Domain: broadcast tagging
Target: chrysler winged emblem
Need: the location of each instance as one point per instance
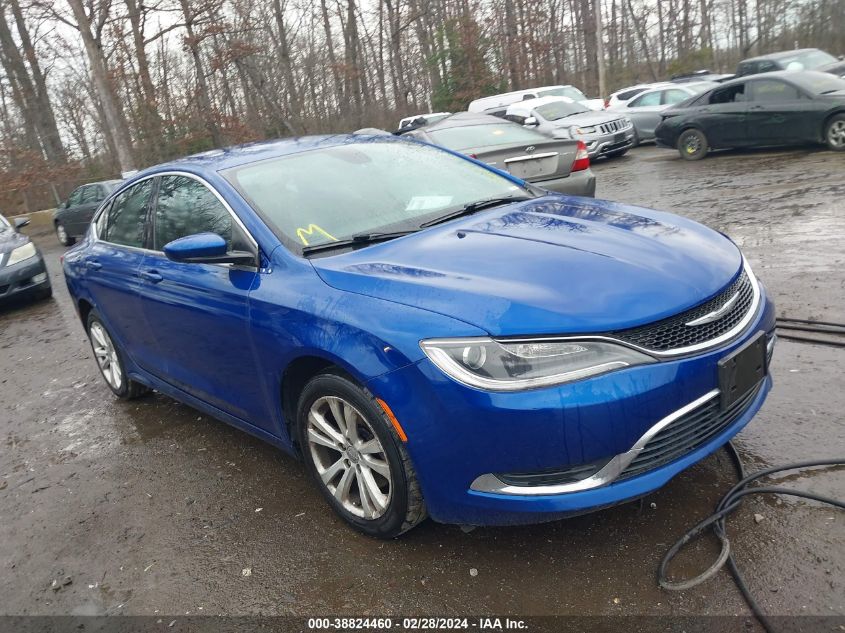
(716, 314)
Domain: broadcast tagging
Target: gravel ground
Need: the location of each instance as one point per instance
(150, 508)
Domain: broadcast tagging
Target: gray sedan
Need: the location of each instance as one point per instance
(553, 164)
(604, 133)
(645, 109)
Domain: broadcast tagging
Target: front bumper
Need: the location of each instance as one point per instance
(458, 434)
(24, 279)
(598, 146)
(577, 183)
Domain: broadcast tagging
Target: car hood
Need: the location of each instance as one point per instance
(10, 240)
(551, 265)
(588, 118)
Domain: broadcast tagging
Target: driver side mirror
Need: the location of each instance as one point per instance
(206, 248)
(20, 223)
(530, 121)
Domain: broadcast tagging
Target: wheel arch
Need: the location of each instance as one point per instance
(826, 122)
(84, 309)
(298, 373)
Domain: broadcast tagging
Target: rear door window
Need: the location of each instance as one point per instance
(128, 214)
(649, 99)
(185, 207)
(673, 96)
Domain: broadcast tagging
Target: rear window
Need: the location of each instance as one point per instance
(458, 138)
(819, 83)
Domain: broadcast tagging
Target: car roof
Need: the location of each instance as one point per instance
(780, 54)
(225, 158)
(464, 119)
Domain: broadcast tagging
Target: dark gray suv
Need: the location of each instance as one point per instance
(71, 220)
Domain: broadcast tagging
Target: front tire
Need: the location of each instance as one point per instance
(834, 133)
(110, 361)
(356, 458)
(63, 236)
(692, 145)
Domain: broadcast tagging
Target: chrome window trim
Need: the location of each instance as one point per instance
(679, 351)
(174, 172)
(608, 473)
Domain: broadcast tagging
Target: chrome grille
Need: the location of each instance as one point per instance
(612, 126)
(673, 333)
(688, 433)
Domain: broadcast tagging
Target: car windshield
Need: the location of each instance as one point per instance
(565, 91)
(336, 193)
(560, 109)
(471, 136)
(807, 60)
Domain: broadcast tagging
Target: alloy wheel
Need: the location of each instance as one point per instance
(61, 233)
(349, 458)
(836, 133)
(106, 355)
(692, 144)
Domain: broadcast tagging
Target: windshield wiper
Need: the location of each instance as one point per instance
(361, 238)
(472, 207)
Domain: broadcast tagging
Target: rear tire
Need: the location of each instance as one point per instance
(692, 145)
(354, 455)
(834, 133)
(64, 238)
(109, 358)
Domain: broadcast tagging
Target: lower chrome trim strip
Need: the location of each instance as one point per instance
(610, 471)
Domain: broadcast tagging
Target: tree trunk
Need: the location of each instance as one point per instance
(108, 100)
(43, 109)
(150, 119)
(203, 98)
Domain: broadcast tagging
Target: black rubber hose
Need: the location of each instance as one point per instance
(808, 322)
(730, 502)
(825, 329)
(815, 341)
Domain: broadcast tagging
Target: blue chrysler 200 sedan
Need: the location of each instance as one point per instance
(432, 336)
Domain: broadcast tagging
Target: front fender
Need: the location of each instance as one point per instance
(294, 315)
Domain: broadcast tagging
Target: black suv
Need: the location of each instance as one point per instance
(71, 220)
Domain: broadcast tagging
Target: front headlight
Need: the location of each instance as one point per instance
(514, 366)
(21, 253)
(585, 130)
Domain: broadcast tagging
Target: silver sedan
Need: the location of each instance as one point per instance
(645, 110)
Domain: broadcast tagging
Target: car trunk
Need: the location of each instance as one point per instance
(534, 163)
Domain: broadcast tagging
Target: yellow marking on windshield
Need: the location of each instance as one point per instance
(313, 228)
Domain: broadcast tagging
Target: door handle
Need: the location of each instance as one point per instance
(757, 107)
(94, 265)
(151, 275)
